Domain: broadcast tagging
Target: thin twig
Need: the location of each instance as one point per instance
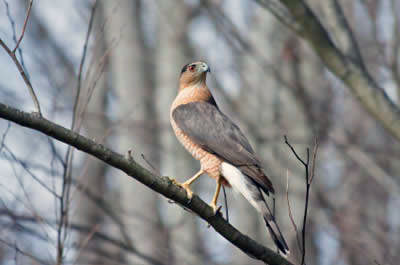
(308, 176)
(294, 151)
(24, 76)
(24, 27)
(303, 230)
(290, 212)
(20, 67)
(155, 170)
(3, 138)
(81, 65)
(314, 157)
(85, 242)
(24, 253)
(28, 171)
(14, 33)
(66, 183)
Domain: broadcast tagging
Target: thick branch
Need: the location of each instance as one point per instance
(161, 185)
(354, 75)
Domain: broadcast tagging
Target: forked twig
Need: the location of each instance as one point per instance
(24, 27)
(309, 176)
(294, 151)
(21, 70)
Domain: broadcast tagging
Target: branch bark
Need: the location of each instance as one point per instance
(371, 96)
(162, 185)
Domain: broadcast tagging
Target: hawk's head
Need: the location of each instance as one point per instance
(193, 73)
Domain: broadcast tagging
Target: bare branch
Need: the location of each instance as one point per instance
(82, 63)
(21, 70)
(314, 157)
(18, 250)
(86, 241)
(24, 27)
(294, 151)
(290, 212)
(279, 12)
(162, 185)
(66, 184)
(3, 138)
(308, 180)
(371, 96)
(344, 30)
(23, 74)
(90, 231)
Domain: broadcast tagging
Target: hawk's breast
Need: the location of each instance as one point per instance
(210, 163)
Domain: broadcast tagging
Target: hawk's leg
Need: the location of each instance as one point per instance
(187, 183)
(213, 203)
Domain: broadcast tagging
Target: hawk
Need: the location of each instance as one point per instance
(224, 152)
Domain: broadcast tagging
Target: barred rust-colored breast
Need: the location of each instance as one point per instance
(209, 162)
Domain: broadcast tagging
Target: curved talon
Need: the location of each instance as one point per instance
(214, 200)
(189, 192)
(216, 209)
(185, 186)
(174, 181)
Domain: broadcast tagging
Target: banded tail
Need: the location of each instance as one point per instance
(253, 194)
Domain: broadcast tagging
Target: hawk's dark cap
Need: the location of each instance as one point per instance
(184, 68)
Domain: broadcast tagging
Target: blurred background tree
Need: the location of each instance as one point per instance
(264, 76)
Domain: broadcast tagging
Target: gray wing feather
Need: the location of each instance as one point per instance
(214, 131)
(217, 134)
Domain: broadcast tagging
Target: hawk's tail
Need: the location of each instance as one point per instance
(249, 189)
(276, 234)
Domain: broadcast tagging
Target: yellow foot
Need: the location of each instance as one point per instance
(174, 181)
(185, 186)
(189, 192)
(216, 210)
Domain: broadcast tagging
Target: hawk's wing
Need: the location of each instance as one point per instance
(216, 133)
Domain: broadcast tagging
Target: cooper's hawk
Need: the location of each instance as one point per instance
(223, 151)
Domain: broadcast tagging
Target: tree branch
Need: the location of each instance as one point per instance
(20, 67)
(24, 27)
(371, 96)
(162, 185)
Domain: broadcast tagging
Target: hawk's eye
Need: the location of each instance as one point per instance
(192, 67)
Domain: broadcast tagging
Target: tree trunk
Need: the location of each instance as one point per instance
(135, 109)
(92, 175)
(175, 161)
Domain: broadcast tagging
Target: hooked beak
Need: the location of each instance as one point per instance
(205, 68)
